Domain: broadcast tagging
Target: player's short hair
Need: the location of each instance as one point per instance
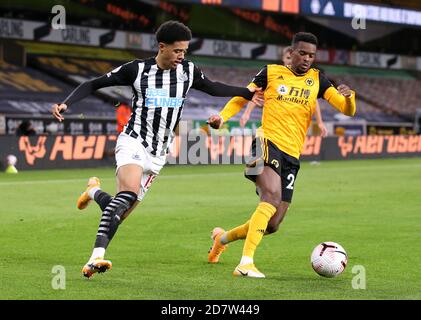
(172, 31)
(304, 37)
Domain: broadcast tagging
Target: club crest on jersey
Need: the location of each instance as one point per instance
(309, 81)
(282, 89)
(275, 163)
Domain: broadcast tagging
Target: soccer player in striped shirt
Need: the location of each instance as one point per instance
(160, 85)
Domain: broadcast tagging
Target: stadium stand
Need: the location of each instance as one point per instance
(382, 97)
(24, 90)
(77, 70)
(399, 97)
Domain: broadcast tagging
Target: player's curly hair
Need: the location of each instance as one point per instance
(172, 31)
(304, 37)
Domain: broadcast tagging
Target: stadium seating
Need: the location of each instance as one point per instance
(50, 78)
(25, 90)
(391, 96)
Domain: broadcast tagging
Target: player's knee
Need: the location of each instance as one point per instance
(271, 196)
(128, 183)
(131, 187)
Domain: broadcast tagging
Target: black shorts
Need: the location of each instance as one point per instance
(265, 152)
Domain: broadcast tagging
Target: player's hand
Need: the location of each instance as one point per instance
(258, 97)
(57, 110)
(344, 90)
(215, 121)
(323, 129)
(244, 118)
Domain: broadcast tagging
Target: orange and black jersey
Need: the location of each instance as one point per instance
(290, 101)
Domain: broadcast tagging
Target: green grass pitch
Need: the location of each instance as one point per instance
(371, 207)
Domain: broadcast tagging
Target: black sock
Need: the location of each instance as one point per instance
(111, 217)
(103, 199)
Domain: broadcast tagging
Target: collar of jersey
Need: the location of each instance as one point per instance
(297, 74)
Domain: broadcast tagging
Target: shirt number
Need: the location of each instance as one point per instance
(291, 179)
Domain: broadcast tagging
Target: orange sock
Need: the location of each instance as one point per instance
(257, 227)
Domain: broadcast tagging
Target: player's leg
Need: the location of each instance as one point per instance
(221, 237)
(240, 232)
(290, 167)
(269, 184)
(129, 177)
(134, 178)
(146, 182)
(129, 173)
(93, 192)
(277, 218)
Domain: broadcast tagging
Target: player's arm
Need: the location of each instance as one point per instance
(319, 120)
(219, 89)
(342, 99)
(121, 76)
(246, 115)
(237, 103)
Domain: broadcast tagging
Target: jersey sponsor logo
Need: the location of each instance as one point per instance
(283, 89)
(295, 95)
(300, 92)
(293, 100)
(159, 98)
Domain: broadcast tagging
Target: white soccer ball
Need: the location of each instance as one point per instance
(329, 259)
(11, 160)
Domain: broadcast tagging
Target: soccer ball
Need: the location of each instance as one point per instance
(329, 259)
(11, 160)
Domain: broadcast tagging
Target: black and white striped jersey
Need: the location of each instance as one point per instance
(158, 97)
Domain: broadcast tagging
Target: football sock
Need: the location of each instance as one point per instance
(97, 253)
(236, 233)
(102, 198)
(245, 260)
(257, 227)
(92, 191)
(111, 217)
